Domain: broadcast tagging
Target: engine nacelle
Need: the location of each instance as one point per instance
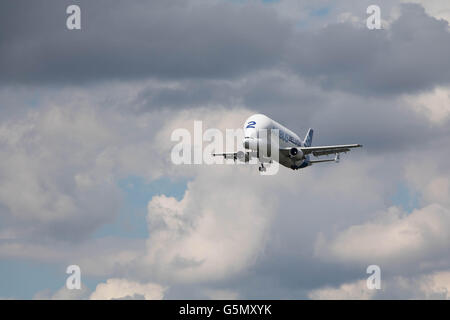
(243, 156)
(296, 154)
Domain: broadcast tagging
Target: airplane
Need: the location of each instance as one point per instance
(293, 152)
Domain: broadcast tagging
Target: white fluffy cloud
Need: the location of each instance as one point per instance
(434, 104)
(437, 8)
(126, 289)
(61, 163)
(63, 294)
(50, 176)
(393, 237)
(435, 285)
(205, 238)
(346, 291)
(429, 177)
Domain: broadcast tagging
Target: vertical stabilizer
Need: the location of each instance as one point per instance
(308, 138)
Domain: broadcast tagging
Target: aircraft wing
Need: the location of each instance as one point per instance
(316, 151)
(231, 155)
(325, 150)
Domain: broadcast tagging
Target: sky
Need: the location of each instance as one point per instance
(86, 177)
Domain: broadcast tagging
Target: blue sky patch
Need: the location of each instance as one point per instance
(131, 221)
(405, 198)
(321, 12)
(21, 279)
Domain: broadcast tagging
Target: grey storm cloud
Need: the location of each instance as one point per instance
(174, 40)
(412, 54)
(135, 39)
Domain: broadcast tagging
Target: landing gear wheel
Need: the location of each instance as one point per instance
(262, 168)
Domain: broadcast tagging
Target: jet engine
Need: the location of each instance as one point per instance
(296, 154)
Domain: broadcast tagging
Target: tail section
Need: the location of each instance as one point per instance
(308, 138)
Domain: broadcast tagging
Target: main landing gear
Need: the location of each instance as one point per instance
(262, 168)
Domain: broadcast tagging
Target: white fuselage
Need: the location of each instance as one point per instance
(287, 139)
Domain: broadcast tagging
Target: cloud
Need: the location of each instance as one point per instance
(242, 234)
(205, 238)
(428, 286)
(373, 62)
(48, 185)
(222, 294)
(300, 104)
(61, 163)
(237, 234)
(169, 39)
(393, 238)
(125, 289)
(348, 291)
(437, 8)
(63, 294)
(202, 239)
(112, 254)
(174, 40)
(429, 179)
(233, 233)
(435, 104)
